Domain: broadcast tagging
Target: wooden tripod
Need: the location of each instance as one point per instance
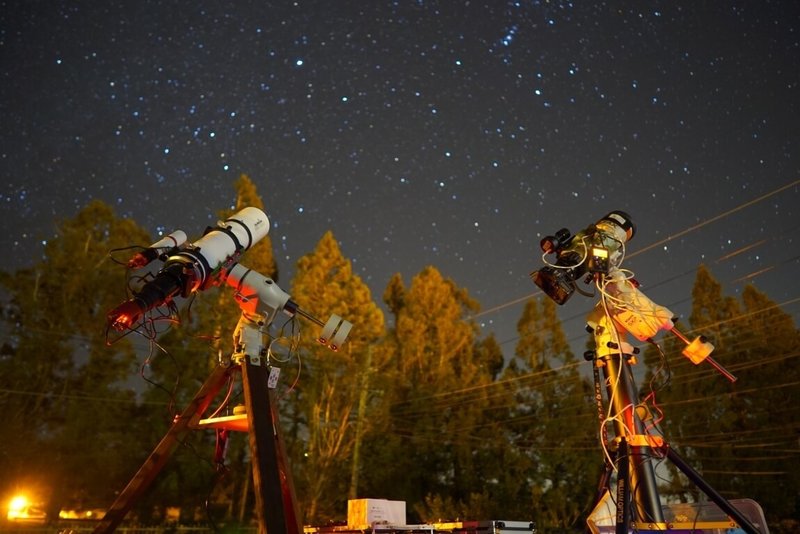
(276, 507)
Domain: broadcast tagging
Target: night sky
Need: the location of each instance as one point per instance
(453, 134)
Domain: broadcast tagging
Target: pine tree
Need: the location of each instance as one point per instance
(732, 434)
(67, 409)
(441, 450)
(768, 446)
(554, 421)
(330, 391)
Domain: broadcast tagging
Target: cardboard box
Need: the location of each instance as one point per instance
(365, 513)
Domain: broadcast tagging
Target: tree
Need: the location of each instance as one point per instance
(553, 420)
(64, 390)
(771, 363)
(439, 447)
(739, 436)
(329, 397)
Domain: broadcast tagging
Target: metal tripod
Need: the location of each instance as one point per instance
(637, 490)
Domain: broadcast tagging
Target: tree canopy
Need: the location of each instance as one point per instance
(417, 406)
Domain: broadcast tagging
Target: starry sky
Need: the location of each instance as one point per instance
(447, 133)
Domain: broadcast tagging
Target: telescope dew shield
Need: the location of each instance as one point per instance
(621, 220)
(222, 245)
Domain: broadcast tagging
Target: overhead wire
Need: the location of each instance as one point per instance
(630, 255)
(553, 376)
(454, 399)
(729, 436)
(653, 245)
(716, 218)
(456, 396)
(661, 242)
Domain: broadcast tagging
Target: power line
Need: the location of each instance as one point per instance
(661, 242)
(717, 217)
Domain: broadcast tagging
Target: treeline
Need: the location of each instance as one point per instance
(415, 407)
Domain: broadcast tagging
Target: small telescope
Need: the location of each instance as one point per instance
(596, 249)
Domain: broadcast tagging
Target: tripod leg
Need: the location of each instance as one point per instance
(641, 478)
(603, 486)
(158, 458)
(275, 501)
(623, 490)
(712, 494)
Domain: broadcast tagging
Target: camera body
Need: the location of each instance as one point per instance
(596, 249)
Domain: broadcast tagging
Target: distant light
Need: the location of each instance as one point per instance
(18, 502)
(299, 62)
(20, 508)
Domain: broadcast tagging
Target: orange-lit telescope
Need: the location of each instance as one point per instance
(597, 249)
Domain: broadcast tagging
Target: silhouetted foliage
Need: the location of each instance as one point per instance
(417, 407)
